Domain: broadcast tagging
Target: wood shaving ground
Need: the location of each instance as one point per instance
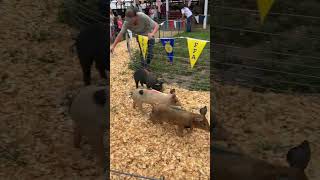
(140, 147)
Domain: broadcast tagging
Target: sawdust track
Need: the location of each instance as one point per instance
(138, 146)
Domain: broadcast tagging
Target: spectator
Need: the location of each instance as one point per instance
(147, 10)
(186, 12)
(152, 12)
(138, 5)
(141, 24)
(156, 14)
(158, 3)
(119, 21)
(163, 11)
(111, 25)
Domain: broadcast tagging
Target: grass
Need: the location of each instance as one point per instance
(204, 35)
(180, 71)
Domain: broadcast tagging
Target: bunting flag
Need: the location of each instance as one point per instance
(197, 19)
(166, 24)
(168, 44)
(180, 24)
(264, 6)
(143, 42)
(195, 47)
(171, 24)
(175, 24)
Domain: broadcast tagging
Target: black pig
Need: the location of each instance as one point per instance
(144, 76)
(92, 46)
(233, 166)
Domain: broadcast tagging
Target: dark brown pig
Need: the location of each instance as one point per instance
(144, 76)
(234, 166)
(182, 118)
(149, 96)
(89, 111)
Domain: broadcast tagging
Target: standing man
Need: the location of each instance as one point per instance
(186, 12)
(141, 24)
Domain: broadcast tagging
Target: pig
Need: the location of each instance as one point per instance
(182, 118)
(234, 166)
(92, 46)
(89, 111)
(147, 96)
(144, 76)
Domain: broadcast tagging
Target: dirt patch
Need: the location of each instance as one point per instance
(37, 71)
(267, 125)
(140, 147)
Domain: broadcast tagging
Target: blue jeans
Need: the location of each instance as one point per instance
(149, 54)
(189, 24)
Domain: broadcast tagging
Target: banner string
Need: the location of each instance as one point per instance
(180, 37)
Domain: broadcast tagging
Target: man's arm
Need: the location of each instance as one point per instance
(182, 13)
(155, 29)
(119, 36)
(152, 22)
(117, 40)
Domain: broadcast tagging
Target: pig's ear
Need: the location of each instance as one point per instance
(299, 156)
(172, 91)
(203, 111)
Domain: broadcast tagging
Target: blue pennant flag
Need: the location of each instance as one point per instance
(168, 44)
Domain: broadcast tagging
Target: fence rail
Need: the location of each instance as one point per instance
(119, 173)
(273, 56)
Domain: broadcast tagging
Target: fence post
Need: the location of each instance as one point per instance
(205, 14)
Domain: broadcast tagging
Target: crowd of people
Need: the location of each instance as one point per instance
(155, 12)
(115, 24)
(142, 22)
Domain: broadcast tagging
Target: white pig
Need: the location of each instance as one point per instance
(151, 96)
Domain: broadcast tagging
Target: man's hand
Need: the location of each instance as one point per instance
(112, 49)
(150, 35)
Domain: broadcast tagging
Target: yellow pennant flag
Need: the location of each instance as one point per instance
(195, 47)
(143, 41)
(264, 7)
